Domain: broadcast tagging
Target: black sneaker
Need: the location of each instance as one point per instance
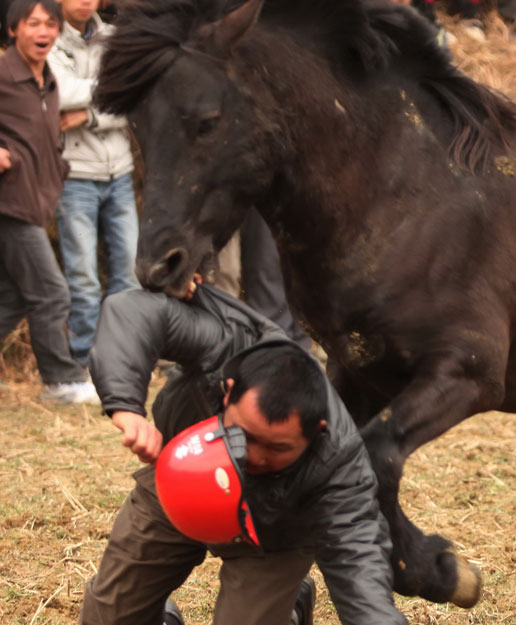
(172, 614)
(303, 612)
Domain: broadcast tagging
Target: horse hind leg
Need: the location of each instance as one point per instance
(426, 566)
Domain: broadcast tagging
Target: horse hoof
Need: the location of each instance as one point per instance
(469, 583)
(439, 574)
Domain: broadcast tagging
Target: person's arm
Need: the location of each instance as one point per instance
(75, 97)
(135, 329)
(354, 544)
(5, 160)
(141, 436)
(73, 119)
(74, 92)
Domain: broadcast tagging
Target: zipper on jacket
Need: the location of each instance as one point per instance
(43, 93)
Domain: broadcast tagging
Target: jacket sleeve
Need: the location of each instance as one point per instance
(136, 328)
(74, 92)
(105, 121)
(77, 93)
(354, 545)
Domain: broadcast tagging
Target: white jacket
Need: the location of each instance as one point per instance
(100, 149)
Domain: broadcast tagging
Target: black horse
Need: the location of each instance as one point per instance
(388, 180)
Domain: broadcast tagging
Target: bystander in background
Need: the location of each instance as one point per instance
(98, 196)
(31, 179)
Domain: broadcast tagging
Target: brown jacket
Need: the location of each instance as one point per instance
(29, 129)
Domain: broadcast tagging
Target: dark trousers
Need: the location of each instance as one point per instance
(147, 558)
(264, 288)
(33, 286)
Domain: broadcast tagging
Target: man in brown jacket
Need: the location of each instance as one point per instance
(31, 178)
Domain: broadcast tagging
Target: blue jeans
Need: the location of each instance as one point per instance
(86, 209)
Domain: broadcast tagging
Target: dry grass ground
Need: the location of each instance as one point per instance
(64, 474)
(492, 61)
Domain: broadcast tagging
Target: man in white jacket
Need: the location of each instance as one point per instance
(98, 195)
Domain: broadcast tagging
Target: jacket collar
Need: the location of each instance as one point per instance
(20, 70)
(95, 25)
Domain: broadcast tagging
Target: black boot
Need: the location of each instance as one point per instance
(172, 614)
(303, 612)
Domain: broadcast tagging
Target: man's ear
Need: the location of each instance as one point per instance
(227, 385)
(322, 425)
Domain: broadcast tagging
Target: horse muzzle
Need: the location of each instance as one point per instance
(166, 274)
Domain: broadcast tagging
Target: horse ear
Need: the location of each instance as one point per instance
(221, 36)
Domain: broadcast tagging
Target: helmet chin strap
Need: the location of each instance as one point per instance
(234, 438)
(236, 445)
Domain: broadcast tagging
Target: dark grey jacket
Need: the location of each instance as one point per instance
(325, 503)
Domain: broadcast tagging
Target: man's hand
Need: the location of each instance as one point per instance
(73, 119)
(5, 160)
(141, 436)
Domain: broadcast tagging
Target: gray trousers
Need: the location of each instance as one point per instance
(33, 286)
(264, 287)
(147, 558)
(255, 263)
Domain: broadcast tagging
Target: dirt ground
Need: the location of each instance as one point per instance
(64, 474)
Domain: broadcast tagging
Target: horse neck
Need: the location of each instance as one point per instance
(306, 108)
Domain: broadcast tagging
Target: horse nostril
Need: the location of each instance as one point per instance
(174, 261)
(164, 271)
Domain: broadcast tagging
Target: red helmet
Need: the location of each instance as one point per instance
(199, 483)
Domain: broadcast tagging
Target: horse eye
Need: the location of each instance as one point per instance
(207, 125)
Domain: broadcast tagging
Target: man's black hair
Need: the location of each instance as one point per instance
(21, 9)
(288, 380)
(4, 37)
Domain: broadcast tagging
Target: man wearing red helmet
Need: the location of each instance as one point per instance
(307, 482)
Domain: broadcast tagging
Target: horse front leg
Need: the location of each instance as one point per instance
(437, 399)
(509, 402)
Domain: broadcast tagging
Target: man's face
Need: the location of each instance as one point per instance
(35, 36)
(78, 12)
(271, 447)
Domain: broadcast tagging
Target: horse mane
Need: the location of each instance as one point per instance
(359, 38)
(145, 42)
(365, 37)
(483, 120)
(149, 32)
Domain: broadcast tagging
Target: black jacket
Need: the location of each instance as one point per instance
(325, 503)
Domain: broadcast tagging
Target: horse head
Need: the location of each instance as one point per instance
(203, 153)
